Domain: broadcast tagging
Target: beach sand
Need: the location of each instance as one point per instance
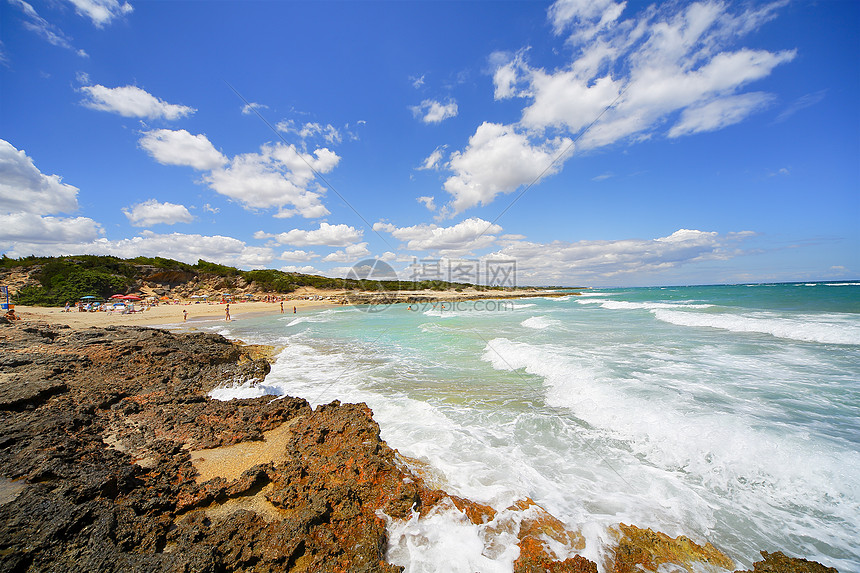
(164, 315)
(171, 314)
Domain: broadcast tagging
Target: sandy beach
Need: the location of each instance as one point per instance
(172, 314)
(164, 314)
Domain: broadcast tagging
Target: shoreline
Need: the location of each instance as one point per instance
(165, 315)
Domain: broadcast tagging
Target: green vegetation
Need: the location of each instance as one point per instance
(68, 279)
(62, 279)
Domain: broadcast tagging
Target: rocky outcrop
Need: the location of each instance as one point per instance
(113, 458)
(778, 562)
(646, 550)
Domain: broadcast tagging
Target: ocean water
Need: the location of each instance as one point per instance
(724, 413)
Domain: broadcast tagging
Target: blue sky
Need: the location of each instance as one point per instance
(593, 142)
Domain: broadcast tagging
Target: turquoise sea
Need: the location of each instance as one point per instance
(724, 413)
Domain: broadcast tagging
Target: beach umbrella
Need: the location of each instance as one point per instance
(88, 297)
(130, 297)
(118, 296)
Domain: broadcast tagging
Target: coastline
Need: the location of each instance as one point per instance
(164, 315)
(146, 471)
(172, 314)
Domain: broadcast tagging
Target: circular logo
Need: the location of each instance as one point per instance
(372, 278)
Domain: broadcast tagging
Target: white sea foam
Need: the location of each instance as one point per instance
(445, 541)
(625, 305)
(517, 306)
(728, 458)
(539, 322)
(320, 317)
(643, 427)
(841, 284)
(826, 329)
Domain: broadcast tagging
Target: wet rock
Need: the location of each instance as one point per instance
(646, 550)
(100, 431)
(778, 562)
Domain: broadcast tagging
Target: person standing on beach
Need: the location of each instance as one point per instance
(184, 315)
(282, 307)
(294, 310)
(228, 313)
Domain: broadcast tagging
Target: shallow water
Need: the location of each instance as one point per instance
(724, 413)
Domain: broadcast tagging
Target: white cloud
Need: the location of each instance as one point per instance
(465, 236)
(802, 102)
(306, 270)
(132, 101)
(497, 160)
(25, 189)
(153, 213)
(431, 111)
(248, 109)
(18, 229)
(417, 82)
(584, 17)
(328, 235)
(434, 160)
(719, 113)
(52, 34)
(428, 202)
(278, 176)
(613, 262)
(187, 248)
(298, 256)
(328, 132)
(170, 147)
(101, 12)
(349, 254)
(672, 64)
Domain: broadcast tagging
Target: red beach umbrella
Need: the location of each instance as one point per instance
(130, 297)
(118, 296)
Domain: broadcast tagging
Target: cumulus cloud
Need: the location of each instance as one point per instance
(428, 202)
(305, 270)
(101, 12)
(298, 256)
(132, 101)
(608, 262)
(497, 160)
(187, 248)
(153, 213)
(327, 132)
(279, 176)
(349, 254)
(464, 237)
(328, 235)
(18, 229)
(28, 199)
(25, 189)
(672, 64)
(248, 109)
(170, 147)
(432, 111)
(434, 160)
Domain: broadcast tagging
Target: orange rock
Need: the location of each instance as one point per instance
(643, 549)
(778, 562)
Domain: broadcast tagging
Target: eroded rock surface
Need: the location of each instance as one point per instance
(113, 458)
